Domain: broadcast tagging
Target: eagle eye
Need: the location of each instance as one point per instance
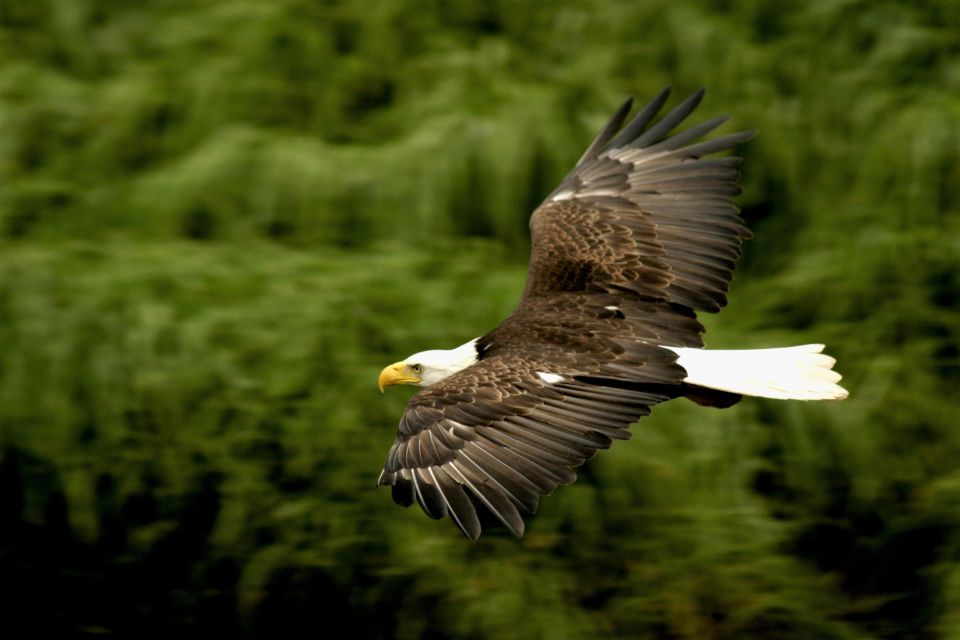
(417, 368)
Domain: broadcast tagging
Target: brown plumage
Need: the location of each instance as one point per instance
(636, 239)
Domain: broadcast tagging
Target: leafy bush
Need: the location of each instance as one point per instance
(220, 219)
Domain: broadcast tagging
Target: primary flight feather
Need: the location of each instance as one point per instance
(639, 236)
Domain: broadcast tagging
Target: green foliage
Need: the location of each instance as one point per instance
(219, 220)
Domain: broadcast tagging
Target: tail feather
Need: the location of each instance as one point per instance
(786, 373)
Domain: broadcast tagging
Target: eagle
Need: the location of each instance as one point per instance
(640, 236)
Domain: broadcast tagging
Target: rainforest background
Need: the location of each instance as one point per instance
(220, 220)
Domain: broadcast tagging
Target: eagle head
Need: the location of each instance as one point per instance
(429, 367)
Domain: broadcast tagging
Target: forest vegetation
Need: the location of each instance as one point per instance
(219, 221)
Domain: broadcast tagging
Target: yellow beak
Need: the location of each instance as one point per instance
(397, 373)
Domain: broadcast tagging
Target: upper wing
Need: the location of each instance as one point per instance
(496, 436)
(645, 213)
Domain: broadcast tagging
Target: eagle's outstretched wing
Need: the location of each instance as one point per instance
(644, 213)
(640, 235)
(497, 436)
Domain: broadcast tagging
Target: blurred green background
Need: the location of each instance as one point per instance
(219, 220)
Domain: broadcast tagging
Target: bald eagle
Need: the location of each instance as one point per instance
(638, 237)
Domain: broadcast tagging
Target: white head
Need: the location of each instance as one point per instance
(430, 367)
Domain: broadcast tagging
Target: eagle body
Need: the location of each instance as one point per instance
(639, 237)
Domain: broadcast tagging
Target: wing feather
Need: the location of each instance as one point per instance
(458, 504)
(505, 477)
(600, 142)
(490, 493)
(642, 119)
(428, 495)
(551, 468)
(672, 119)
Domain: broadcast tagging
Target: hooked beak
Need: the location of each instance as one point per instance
(397, 373)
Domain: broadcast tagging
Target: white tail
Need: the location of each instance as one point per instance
(787, 373)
